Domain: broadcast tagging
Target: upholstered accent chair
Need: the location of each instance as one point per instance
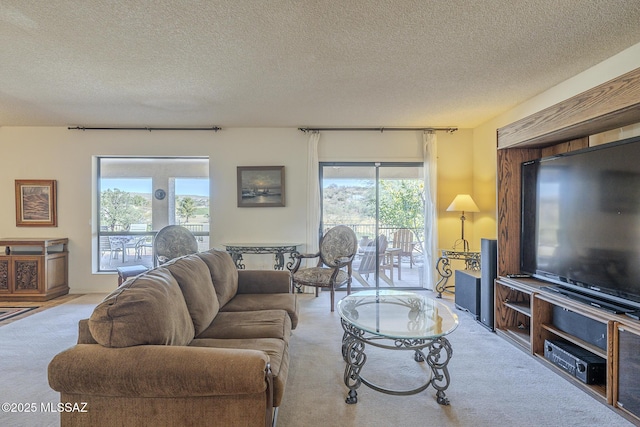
(173, 241)
(338, 247)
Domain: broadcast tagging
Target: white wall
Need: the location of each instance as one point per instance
(66, 156)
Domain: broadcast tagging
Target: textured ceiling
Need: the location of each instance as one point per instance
(295, 63)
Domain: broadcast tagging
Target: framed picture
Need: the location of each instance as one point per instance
(36, 203)
(260, 186)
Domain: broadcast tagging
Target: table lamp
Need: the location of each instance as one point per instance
(463, 203)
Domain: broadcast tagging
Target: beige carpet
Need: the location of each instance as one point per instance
(492, 383)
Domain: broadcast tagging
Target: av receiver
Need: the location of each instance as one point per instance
(578, 362)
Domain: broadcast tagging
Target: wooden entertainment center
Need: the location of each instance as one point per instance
(524, 311)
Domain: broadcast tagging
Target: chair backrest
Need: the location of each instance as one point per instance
(368, 261)
(174, 241)
(404, 240)
(337, 243)
(105, 244)
(138, 227)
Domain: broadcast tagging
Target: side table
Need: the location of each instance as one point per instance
(237, 250)
(443, 266)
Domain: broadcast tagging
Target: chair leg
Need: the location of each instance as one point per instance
(332, 298)
(317, 291)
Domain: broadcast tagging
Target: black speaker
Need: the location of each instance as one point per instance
(585, 328)
(489, 271)
(468, 291)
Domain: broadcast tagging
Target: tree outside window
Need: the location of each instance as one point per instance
(119, 209)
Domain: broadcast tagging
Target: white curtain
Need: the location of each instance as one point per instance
(313, 193)
(430, 155)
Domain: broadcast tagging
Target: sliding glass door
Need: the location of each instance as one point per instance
(384, 204)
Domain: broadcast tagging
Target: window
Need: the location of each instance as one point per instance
(140, 195)
(384, 200)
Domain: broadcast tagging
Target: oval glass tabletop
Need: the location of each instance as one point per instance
(397, 314)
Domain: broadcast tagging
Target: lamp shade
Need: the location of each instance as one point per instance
(463, 203)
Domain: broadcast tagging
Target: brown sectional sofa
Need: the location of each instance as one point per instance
(192, 342)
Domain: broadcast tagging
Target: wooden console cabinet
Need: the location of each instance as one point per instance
(33, 269)
(524, 313)
(525, 316)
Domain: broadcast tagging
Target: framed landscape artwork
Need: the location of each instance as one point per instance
(260, 186)
(36, 203)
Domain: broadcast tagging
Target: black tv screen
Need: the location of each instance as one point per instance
(581, 221)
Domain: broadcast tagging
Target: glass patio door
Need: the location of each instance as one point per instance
(384, 204)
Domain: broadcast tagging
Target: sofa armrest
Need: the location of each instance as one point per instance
(84, 333)
(159, 371)
(263, 281)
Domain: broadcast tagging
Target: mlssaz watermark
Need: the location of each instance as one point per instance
(26, 407)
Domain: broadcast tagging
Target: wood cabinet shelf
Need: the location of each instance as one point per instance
(513, 312)
(577, 341)
(33, 269)
(521, 307)
(520, 335)
(597, 390)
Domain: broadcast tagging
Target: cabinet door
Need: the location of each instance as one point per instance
(4, 276)
(27, 271)
(628, 371)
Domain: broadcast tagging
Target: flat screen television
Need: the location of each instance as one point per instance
(581, 222)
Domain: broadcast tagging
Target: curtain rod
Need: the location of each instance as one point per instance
(213, 128)
(449, 129)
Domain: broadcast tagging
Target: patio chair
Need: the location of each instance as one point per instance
(139, 243)
(117, 245)
(173, 241)
(338, 247)
(404, 240)
(106, 246)
(369, 261)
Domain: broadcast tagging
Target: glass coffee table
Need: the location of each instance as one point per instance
(396, 320)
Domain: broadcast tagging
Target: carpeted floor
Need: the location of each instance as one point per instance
(27, 345)
(492, 382)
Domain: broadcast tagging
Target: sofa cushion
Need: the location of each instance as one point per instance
(276, 349)
(148, 309)
(257, 302)
(194, 278)
(224, 274)
(250, 324)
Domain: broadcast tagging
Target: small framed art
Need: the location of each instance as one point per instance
(36, 204)
(261, 186)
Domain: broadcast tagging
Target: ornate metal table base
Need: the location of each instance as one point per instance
(437, 355)
(443, 267)
(279, 250)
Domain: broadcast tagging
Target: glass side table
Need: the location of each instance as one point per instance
(443, 267)
(396, 320)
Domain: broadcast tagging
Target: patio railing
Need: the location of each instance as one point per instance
(369, 230)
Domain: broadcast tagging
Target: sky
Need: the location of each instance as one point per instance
(184, 186)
